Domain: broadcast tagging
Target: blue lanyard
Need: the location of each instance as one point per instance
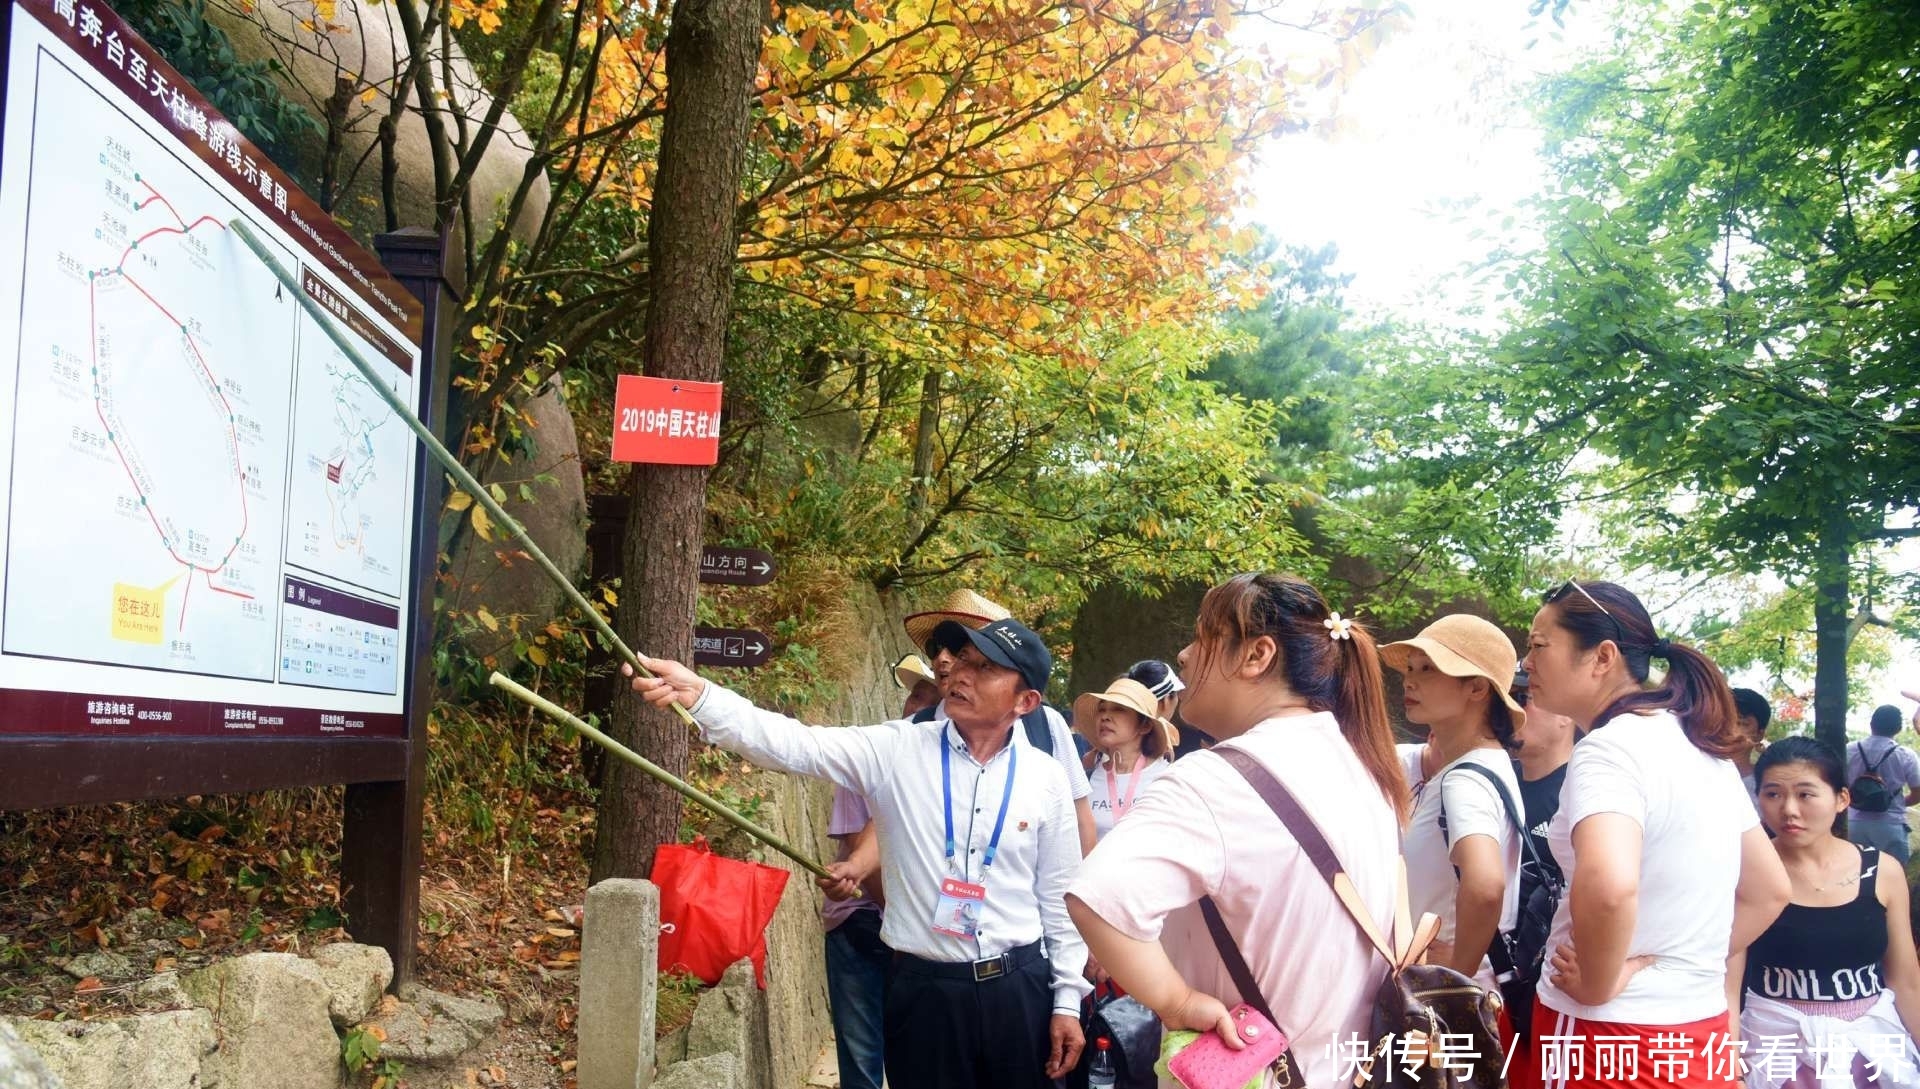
(1006, 798)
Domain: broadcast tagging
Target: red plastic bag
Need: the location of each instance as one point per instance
(713, 910)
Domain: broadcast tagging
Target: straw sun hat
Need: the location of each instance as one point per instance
(1462, 646)
(1133, 696)
(964, 606)
(911, 671)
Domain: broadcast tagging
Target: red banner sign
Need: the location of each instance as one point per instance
(666, 421)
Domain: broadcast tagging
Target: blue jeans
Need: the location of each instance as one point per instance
(857, 966)
(1889, 836)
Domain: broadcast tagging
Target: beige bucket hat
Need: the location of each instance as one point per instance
(1134, 696)
(964, 606)
(1463, 646)
(911, 671)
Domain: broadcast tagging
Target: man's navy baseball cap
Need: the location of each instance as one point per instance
(1007, 643)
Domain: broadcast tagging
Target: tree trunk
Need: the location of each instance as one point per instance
(923, 440)
(1831, 606)
(712, 50)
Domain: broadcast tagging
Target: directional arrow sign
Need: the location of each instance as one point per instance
(730, 647)
(737, 566)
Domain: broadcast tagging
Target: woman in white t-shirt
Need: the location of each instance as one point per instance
(1132, 746)
(1462, 849)
(1295, 689)
(1667, 867)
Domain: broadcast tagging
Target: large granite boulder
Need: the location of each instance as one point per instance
(365, 45)
(356, 976)
(555, 517)
(149, 1051)
(270, 1011)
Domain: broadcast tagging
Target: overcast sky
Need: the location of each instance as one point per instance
(1431, 141)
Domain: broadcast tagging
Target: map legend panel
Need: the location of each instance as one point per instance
(332, 639)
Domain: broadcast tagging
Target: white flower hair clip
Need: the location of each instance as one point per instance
(1338, 627)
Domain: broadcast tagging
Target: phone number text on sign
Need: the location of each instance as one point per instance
(666, 421)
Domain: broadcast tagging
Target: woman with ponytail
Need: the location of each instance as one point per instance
(1462, 849)
(1283, 681)
(1668, 869)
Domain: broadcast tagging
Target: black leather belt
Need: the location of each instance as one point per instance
(979, 971)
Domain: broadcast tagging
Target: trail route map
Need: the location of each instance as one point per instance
(148, 405)
(208, 508)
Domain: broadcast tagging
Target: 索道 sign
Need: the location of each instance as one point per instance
(730, 647)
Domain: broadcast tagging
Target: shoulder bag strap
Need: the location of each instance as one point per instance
(1506, 800)
(1237, 967)
(1874, 768)
(1412, 941)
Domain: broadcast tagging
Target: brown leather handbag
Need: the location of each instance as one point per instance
(1431, 1027)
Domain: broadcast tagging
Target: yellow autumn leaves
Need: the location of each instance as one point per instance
(1027, 171)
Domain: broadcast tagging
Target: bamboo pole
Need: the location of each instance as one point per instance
(694, 794)
(445, 457)
(506, 521)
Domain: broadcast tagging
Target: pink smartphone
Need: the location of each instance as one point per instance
(1208, 1063)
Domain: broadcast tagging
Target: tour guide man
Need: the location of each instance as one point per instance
(977, 844)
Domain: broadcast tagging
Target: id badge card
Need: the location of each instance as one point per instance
(957, 912)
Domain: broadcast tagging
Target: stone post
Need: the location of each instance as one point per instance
(619, 980)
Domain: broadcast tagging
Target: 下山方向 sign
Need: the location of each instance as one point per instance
(666, 421)
(737, 566)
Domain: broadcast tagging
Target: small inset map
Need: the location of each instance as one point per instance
(351, 460)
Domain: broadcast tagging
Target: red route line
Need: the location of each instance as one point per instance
(175, 214)
(233, 432)
(224, 590)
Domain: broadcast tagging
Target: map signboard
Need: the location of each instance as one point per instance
(206, 512)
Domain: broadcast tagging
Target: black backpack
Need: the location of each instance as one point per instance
(1039, 730)
(1133, 1029)
(1869, 790)
(1518, 954)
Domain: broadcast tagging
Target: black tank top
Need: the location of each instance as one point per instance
(1824, 954)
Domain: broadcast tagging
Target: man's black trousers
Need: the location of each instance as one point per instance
(953, 1033)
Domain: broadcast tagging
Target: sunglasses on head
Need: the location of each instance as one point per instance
(1619, 633)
